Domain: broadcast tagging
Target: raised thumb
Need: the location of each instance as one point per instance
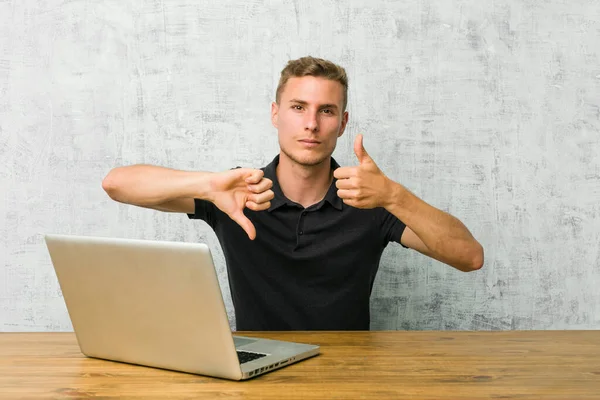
(359, 150)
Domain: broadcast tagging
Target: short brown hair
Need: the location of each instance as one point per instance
(311, 66)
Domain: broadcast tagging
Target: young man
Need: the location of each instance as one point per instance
(303, 237)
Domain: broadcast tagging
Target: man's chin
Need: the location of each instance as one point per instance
(308, 160)
(311, 163)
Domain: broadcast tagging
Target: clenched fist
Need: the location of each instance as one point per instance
(362, 186)
(233, 190)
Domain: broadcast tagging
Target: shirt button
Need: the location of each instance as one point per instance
(300, 233)
(303, 212)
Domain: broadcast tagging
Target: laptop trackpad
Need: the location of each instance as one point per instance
(239, 341)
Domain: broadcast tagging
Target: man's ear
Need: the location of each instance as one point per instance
(275, 114)
(344, 123)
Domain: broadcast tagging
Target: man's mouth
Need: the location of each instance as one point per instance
(310, 141)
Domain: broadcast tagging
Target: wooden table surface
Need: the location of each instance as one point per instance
(352, 365)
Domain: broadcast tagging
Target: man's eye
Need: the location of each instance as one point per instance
(296, 107)
(327, 111)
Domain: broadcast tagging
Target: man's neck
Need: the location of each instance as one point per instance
(301, 184)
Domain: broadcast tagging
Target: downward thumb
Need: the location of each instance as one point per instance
(245, 223)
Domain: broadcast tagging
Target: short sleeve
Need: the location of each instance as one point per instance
(204, 210)
(392, 228)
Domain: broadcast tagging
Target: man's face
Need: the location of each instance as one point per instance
(309, 119)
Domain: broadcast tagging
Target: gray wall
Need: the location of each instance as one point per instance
(486, 109)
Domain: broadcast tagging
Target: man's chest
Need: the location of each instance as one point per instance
(317, 235)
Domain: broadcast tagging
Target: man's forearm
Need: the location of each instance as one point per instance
(148, 185)
(444, 235)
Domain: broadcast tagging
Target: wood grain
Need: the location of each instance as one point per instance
(352, 365)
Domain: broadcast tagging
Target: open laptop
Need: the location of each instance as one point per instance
(158, 304)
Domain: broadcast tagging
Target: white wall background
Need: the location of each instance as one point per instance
(487, 109)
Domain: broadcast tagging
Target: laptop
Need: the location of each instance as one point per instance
(158, 304)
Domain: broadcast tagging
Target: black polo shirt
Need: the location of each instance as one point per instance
(307, 269)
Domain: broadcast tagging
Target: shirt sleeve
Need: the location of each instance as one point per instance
(392, 228)
(206, 211)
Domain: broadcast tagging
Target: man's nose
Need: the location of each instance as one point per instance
(311, 123)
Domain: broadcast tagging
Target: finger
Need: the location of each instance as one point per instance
(261, 197)
(258, 207)
(360, 151)
(245, 223)
(255, 176)
(262, 186)
(344, 172)
(351, 202)
(346, 194)
(345, 183)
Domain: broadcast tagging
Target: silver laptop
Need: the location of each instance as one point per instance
(158, 304)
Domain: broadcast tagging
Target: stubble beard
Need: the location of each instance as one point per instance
(307, 162)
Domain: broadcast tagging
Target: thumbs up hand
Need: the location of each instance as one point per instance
(362, 186)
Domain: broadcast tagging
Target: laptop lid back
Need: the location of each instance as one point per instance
(145, 302)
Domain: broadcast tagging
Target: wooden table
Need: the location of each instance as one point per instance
(352, 365)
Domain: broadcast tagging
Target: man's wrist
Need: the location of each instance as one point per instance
(396, 196)
(201, 185)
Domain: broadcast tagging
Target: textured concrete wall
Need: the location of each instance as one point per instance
(486, 109)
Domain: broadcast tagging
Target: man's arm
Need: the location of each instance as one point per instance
(433, 232)
(156, 187)
(428, 230)
(172, 190)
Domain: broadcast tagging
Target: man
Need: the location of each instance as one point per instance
(303, 237)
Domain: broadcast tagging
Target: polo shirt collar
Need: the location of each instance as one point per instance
(279, 200)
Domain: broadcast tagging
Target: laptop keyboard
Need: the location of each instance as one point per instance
(246, 356)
